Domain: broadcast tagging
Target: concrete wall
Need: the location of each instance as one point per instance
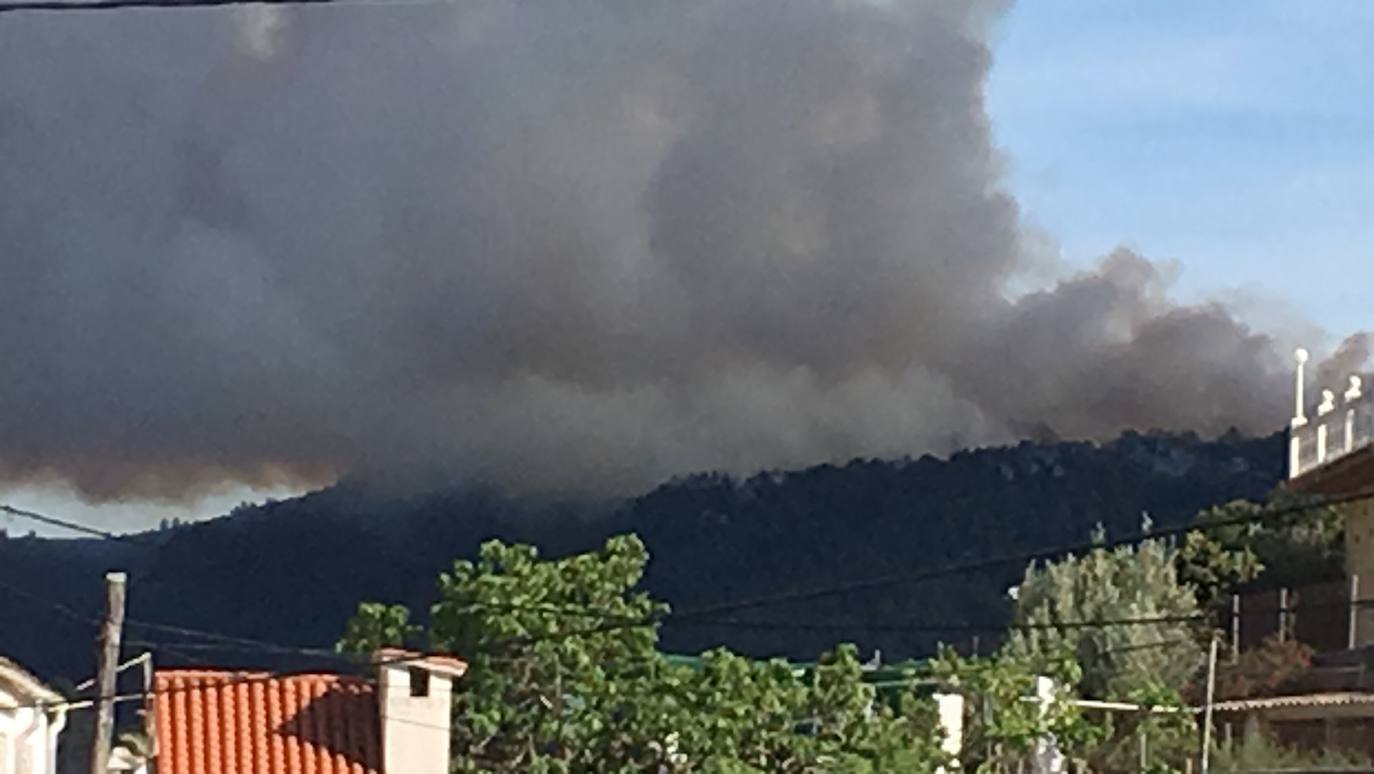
(28, 738)
(950, 707)
(1359, 560)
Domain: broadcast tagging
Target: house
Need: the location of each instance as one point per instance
(32, 716)
(1330, 454)
(232, 722)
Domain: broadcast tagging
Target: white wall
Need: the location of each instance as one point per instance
(28, 738)
(950, 707)
(1359, 560)
(415, 730)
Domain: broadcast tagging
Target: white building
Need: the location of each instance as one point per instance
(32, 716)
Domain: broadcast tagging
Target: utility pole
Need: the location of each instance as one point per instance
(107, 666)
(1351, 635)
(1207, 711)
(1283, 615)
(1235, 628)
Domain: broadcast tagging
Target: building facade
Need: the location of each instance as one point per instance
(32, 717)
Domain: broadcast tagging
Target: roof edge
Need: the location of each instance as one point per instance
(28, 683)
(439, 663)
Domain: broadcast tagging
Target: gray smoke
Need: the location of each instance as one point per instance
(572, 246)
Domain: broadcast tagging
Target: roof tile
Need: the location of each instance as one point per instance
(256, 723)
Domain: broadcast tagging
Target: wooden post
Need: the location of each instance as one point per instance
(1207, 711)
(1351, 638)
(1235, 628)
(107, 665)
(1144, 753)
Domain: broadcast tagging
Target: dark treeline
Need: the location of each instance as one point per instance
(292, 571)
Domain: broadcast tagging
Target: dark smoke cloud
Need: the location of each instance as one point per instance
(558, 246)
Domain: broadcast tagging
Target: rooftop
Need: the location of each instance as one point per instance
(1311, 700)
(25, 684)
(246, 722)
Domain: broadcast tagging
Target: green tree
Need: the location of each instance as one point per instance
(1260, 753)
(1163, 725)
(375, 626)
(565, 676)
(1122, 613)
(1269, 670)
(1002, 727)
(1244, 544)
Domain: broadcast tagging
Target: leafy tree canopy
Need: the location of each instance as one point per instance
(1255, 548)
(1123, 613)
(564, 676)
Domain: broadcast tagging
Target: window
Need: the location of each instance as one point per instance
(419, 682)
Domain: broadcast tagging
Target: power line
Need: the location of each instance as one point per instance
(704, 616)
(239, 678)
(242, 643)
(53, 521)
(1102, 623)
(881, 581)
(219, 642)
(58, 607)
(915, 627)
(961, 568)
(230, 641)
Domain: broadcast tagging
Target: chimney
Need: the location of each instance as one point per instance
(415, 705)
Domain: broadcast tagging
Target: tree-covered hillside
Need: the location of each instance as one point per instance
(293, 571)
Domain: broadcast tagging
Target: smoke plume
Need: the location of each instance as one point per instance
(572, 246)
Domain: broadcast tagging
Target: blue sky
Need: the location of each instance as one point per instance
(1233, 137)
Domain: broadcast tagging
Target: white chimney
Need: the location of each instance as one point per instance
(415, 704)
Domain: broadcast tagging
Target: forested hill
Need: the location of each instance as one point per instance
(292, 571)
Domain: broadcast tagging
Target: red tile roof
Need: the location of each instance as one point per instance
(221, 722)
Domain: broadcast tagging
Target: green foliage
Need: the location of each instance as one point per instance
(1259, 752)
(1001, 726)
(1292, 549)
(1122, 584)
(1214, 569)
(1264, 671)
(565, 676)
(564, 670)
(1165, 726)
(767, 717)
(1301, 547)
(376, 626)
